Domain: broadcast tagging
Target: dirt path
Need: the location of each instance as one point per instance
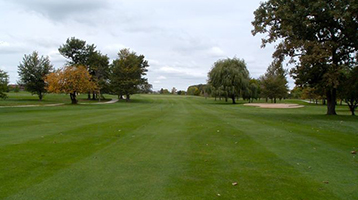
(58, 104)
(106, 102)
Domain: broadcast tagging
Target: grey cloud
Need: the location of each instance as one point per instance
(60, 10)
(9, 48)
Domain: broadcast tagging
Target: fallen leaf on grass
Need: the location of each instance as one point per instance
(353, 152)
(234, 184)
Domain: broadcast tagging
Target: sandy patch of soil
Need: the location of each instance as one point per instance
(277, 105)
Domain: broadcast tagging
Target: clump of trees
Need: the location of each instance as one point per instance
(4, 81)
(79, 53)
(320, 38)
(274, 82)
(32, 71)
(253, 91)
(193, 90)
(197, 90)
(229, 78)
(87, 71)
(164, 91)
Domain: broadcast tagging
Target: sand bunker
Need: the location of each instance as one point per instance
(277, 105)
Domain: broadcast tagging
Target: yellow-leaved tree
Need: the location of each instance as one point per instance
(70, 80)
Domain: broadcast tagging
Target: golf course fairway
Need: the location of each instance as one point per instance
(177, 147)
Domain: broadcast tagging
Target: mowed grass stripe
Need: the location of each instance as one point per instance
(312, 153)
(135, 166)
(43, 156)
(236, 157)
(39, 122)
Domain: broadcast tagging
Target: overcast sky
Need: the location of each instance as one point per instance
(181, 39)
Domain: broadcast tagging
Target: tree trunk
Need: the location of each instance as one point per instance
(128, 98)
(331, 101)
(89, 96)
(324, 102)
(40, 95)
(93, 96)
(73, 98)
(233, 99)
(274, 100)
(352, 108)
(352, 105)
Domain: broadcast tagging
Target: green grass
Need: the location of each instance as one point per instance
(171, 147)
(26, 98)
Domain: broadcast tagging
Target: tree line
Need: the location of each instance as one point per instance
(87, 70)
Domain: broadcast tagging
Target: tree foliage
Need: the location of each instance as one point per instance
(145, 88)
(193, 90)
(99, 69)
(296, 92)
(321, 34)
(197, 90)
(32, 71)
(274, 82)
(128, 73)
(349, 90)
(70, 80)
(230, 75)
(252, 91)
(78, 53)
(4, 81)
(164, 91)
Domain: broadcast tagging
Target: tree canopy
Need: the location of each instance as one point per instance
(127, 73)
(77, 52)
(274, 82)
(349, 90)
(70, 80)
(4, 81)
(229, 75)
(32, 71)
(321, 34)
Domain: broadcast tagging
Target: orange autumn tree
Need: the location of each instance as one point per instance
(70, 80)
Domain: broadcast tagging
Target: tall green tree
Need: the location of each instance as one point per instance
(77, 52)
(321, 34)
(231, 75)
(128, 73)
(349, 90)
(32, 71)
(274, 82)
(98, 68)
(4, 81)
(252, 91)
